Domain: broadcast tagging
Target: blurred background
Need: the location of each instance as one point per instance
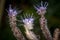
(52, 15)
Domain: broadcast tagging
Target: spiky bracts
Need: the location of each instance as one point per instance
(41, 10)
(12, 19)
(28, 24)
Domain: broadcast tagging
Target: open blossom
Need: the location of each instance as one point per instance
(28, 23)
(42, 8)
(28, 20)
(11, 11)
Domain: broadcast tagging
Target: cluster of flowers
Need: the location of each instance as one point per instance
(28, 22)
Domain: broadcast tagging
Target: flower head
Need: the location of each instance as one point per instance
(28, 18)
(28, 22)
(42, 8)
(12, 12)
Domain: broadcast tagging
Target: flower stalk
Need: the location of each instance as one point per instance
(56, 34)
(12, 19)
(41, 10)
(28, 24)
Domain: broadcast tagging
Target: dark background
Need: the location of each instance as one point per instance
(52, 15)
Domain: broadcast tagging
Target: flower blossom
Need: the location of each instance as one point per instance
(42, 8)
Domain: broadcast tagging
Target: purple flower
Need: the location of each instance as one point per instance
(11, 11)
(42, 8)
(28, 20)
